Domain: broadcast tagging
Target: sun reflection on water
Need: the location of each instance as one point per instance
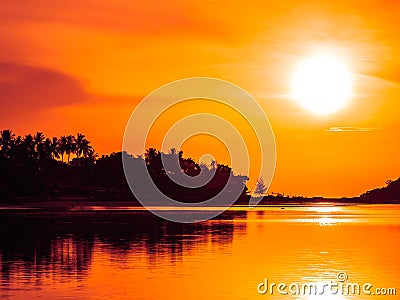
(324, 209)
(327, 221)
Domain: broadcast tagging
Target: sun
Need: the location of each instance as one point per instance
(322, 84)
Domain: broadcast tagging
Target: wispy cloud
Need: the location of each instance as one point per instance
(352, 129)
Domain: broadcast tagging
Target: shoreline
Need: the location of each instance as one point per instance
(93, 206)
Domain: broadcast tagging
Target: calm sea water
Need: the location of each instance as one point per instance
(134, 255)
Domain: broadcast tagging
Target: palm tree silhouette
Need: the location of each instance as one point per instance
(62, 146)
(50, 149)
(6, 142)
(38, 147)
(70, 147)
(29, 146)
(54, 148)
(38, 140)
(82, 145)
(16, 152)
(92, 155)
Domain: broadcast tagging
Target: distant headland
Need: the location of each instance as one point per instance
(67, 169)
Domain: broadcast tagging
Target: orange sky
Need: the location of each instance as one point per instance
(84, 65)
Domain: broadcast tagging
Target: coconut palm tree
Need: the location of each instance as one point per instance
(50, 149)
(47, 149)
(82, 145)
(38, 141)
(85, 148)
(70, 146)
(29, 146)
(92, 155)
(6, 142)
(16, 151)
(54, 148)
(62, 146)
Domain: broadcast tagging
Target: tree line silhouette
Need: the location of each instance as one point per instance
(216, 177)
(34, 167)
(39, 147)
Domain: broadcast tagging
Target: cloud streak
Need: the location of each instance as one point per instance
(352, 129)
(25, 88)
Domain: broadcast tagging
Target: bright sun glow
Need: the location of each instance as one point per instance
(322, 84)
(326, 297)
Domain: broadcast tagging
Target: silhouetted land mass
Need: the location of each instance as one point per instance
(33, 168)
(390, 194)
(36, 168)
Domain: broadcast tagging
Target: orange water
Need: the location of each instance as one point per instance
(133, 255)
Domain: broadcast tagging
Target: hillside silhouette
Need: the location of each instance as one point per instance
(389, 193)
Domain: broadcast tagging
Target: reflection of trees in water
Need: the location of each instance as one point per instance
(34, 246)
